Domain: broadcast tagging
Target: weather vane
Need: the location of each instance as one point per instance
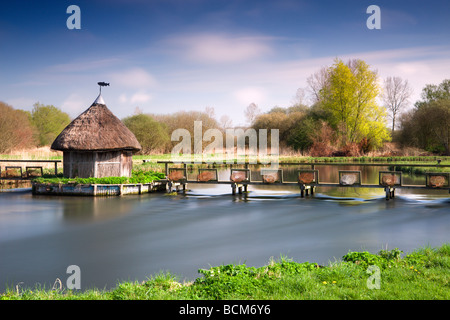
(102, 84)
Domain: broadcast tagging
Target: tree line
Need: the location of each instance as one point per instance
(350, 112)
(21, 129)
(353, 112)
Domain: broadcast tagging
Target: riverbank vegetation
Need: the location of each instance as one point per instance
(423, 274)
(137, 176)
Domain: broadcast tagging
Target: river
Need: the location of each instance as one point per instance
(133, 237)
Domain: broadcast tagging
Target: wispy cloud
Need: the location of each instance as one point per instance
(248, 95)
(132, 78)
(74, 104)
(136, 98)
(218, 48)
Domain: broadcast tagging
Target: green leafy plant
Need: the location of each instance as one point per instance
(138, 176)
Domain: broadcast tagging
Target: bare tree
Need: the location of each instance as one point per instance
(210, 112)
(137, 111)
(299, 98)
(317, 82)
(396, 96)
(226, 122)
(251, 112)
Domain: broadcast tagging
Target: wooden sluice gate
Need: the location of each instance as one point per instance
(307, 179)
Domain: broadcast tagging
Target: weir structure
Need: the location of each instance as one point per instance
(176, 176)
(307, 179)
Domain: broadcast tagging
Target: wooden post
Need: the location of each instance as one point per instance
(388, 193)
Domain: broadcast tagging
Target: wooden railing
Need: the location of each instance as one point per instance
(21, 176)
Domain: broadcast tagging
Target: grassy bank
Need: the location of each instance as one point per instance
(422, 170)
(153, 159)
(363, 159)
(421, 274)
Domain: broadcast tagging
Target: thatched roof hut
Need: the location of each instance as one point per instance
(96, 144)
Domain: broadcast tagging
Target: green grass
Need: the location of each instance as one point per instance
(423, 170)
(421, 274)
(363, 159)
(138, 176)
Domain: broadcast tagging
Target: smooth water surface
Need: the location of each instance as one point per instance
(134, 237)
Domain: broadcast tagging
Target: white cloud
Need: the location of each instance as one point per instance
(123, 98)
(136, 98)
(140, 97)
(74, 104)
(132, 78)
(248, 95)
(219, 48)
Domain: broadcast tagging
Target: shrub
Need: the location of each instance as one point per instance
(383, 259)
(16, 131)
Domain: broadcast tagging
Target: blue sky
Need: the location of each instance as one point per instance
(169, 55)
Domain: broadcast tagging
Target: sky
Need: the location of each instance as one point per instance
(164, 56)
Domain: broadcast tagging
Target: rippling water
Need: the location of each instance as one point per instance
(134, 237)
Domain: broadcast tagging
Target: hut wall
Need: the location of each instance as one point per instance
(97, 164)
(78, 164)
(108, 164)
(126, 163)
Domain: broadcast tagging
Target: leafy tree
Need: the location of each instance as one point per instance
(301, 137)
(350, 97)
(151, 134)
(185, 120)
(433, 92)
(49, 122)
(427, 126)
(298, 124)
(283, 119)
(16, 131)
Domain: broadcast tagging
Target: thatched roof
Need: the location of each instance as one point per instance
(96, 129)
